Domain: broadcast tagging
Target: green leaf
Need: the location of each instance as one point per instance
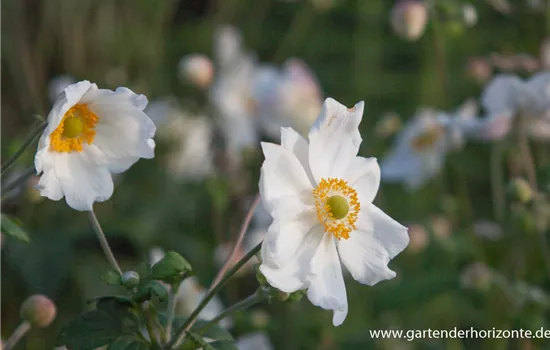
(197, 341)
(111, 277)
(143, 269)
(171, 269)
(224, 345)
(215, 332)
(112, 319)
(128, 343)
(149, 289)
(13, 227)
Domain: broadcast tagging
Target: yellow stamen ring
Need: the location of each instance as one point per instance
(76, 128)
(337, 206)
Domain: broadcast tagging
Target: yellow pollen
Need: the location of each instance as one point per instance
(427, 139)
(337, 206)
(75, 129)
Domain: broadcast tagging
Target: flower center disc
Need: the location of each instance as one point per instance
(75, 129)
(337, 206)
(426, 139)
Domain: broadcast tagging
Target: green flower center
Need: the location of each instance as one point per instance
(73, 126)
(338, 206)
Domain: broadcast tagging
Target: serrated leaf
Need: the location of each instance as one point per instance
(13, 227)
(112, 319)
(171, 269)
(111, 277)
(128, 343)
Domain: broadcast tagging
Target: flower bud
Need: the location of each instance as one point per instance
(469, 15)
(479, 69)
(197, 69)
(409, 18)
(130, 279)
(476, 276)
(38, 310)
(418, 237)
(520, 190)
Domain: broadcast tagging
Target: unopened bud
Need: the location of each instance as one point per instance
(130, 279)
(521, 190)
(469, 15)
(38, 310)
(409, 18)
(479, 69)
(197, 69)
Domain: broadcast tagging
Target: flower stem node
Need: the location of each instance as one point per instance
(171, 269)
(38, 310)
(520, 190)
(130, 279)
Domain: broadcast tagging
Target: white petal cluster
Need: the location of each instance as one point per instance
(305, 247)
(91, 134)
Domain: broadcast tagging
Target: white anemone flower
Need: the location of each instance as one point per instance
(287, 97)
(423, 144)
(231, 93)
(190, 156)
(254, 341)
(91, 133)
(320, 195)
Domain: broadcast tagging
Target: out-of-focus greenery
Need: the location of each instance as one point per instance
(356, 56)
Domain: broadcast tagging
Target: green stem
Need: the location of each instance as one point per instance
(149, 324)
(525, 153)
(22, 178)
(241, 305)
(171, 310)
(440, 56)
(17, 335)
(180, 333)
(497, 182)
(32, 136)
(103, 242)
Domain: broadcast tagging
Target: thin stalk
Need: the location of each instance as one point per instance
(238, 242)
(22, 178)
(525, 153)
(180, 333)
(239, 306)
(103, 242)
(32, 136)
(171, 310)
(17, 335)
(497, 182)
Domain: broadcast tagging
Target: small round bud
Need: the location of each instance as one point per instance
(38, 310)
(409, 18)
(130, 279)
(282, 296)
(419, 238)
(197, 69)
(469, 15)
(520, 189)
(479, 69)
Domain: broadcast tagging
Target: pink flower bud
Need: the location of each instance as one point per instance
(38, 310)
(409, 18)
(479, 69)
(197, 69)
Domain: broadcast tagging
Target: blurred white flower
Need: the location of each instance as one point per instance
(254, 341)
(190, 294)
(197, 69)
(469, 15)
(422, 146)
(408, 19)
(287, 97)
(57, 86)
(231, 93)
(502, 6)
(488, 230)
(91, 133)
(191, 154)
(320, 195)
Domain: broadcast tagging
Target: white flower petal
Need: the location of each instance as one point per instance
(293, 141)
(539, 84)
(364, 176)
(292, 220)
(499, 96)
(334, 139)
(282, 175)
(367, 252)
(293, 275)
(327, 288)
(82, 180)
